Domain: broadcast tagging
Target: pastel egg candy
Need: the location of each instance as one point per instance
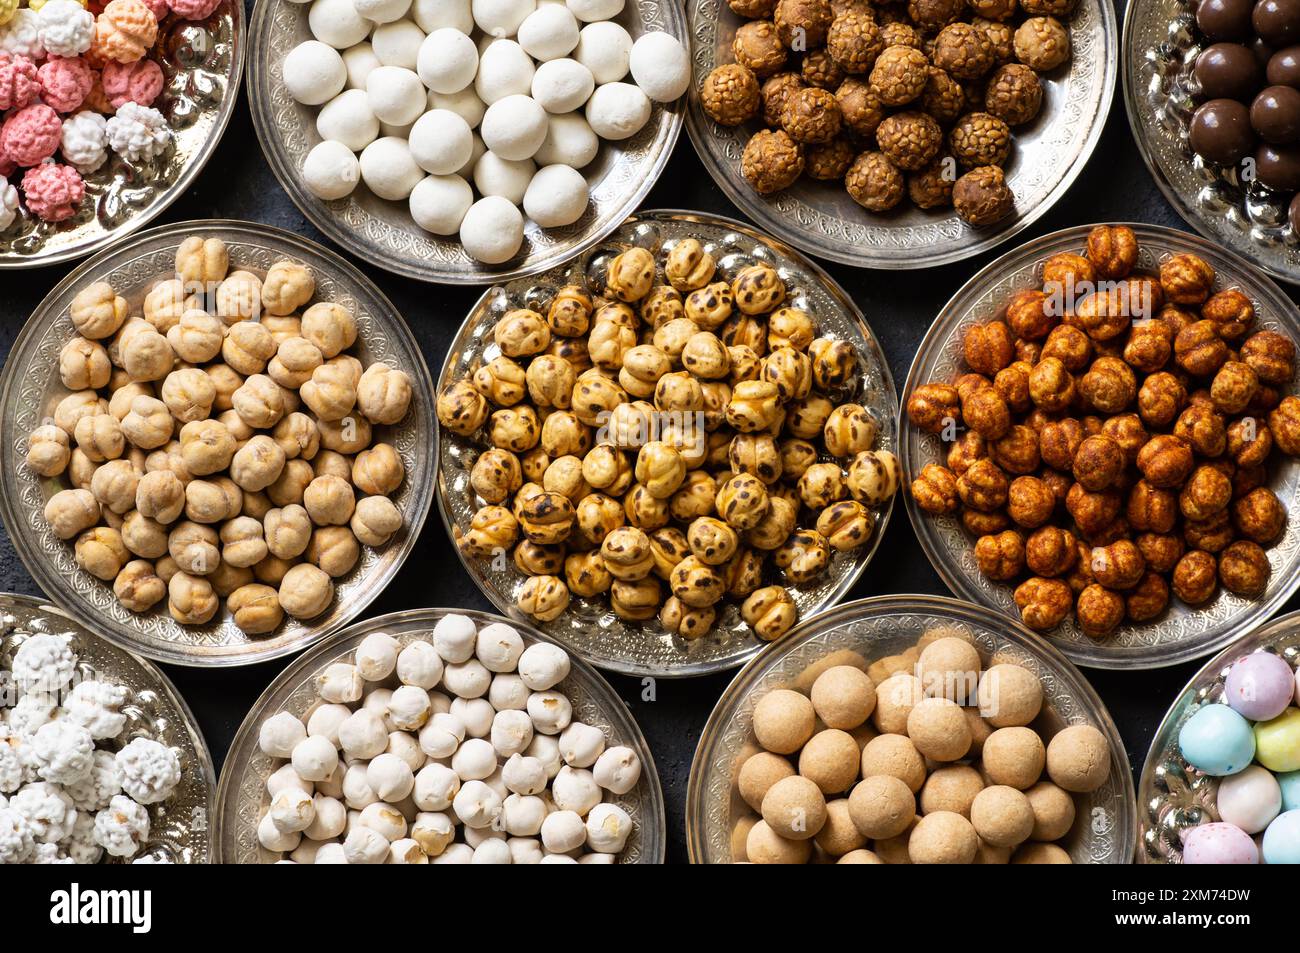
(1277, 741)
(1259, 686)
(1219, 843)
(1217, 741)
(1282, 839)
(1289, 782)
(1249, 800)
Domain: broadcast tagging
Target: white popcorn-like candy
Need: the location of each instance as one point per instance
(8, 203)
(138, 133)
(63, 752)
(44, 663)
(148, 770)
(97, 707)
(66, 27)
(433, 831)
(21, 36)
(82, 847)
(94, 791)
(48, 811)
(16, 841)
(122, 827)
(32, 711)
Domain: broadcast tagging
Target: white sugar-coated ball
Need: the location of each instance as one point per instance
(569, 141)
(439, 204)
(396, 95)
(447, 61)
(454, 636)
(563, 85)
(314, 758)
(660, 66)
(514, 127)
(389, 170)
(474, 760)
(498, 647)
(376, 656)
(617, 110)
(419, 663)
(608, 827)
(398, 43)
(508, 692)
(325, 720)
(382, 11)
(604, 48)
(563, 831)
(557, 196)
(503, 178)
(476, 715)
(543, 666)
(504, 70)
(589, 11)
(433, 15)
(280, 733)
(466, 171)
(360, 60)
(314, 73)
(464, 104)
(441, 142)
(549, 32)
(617, 770)
(574, 789)
(337, 23)
(467, 679)
(331, 170)
(492, 232)
(501, 17)
(347, 118)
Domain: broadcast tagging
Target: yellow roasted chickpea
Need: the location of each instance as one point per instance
(660, 468)
(70, 512)
(114, 485)
(334, 549)
(225, 381)
(191, 599)
(305, 591)
(71, 409)
(384, 394)
(248, 347)
(48, 450)
(502, 381)
(292, 482)
(631, 275)
(144, 537)
(331, 393)
(329, 500)
(206, 447)
(755, 405)
(849, 430)
(257, 464)
(770, 612)
(705, 356)
(288, 286)
(165, 303)
(543, 597)
(790, 371)
(522, 333)
(330, 327)
(804, 556)
(776, 524)
(378, 471)
(688, 265)
(84, 364)
(570, 311)
(189, 394)
(201, 263)
(138, 586)
(296, 435)
(742, 501)
(99, 437)
(550, 381)
(239, 297)
(101, 553)
(148, 423)
(212, 501)
(256, 609)
(160, 496)
(635, 600)
(259, 401)
(287, 531)
(98, 311)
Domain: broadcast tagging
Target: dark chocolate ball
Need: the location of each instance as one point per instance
(1221, 131)
(1277, 22)
(1228, 71)
(1293, 213)
(1278, 167)
(1225, 19)
(1284, 67)
(1275, 115)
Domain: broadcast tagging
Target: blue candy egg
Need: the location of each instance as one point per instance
(1282, 839)
(1290, 785)
(1217, 740)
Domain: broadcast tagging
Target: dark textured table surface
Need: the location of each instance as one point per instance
(899, 305)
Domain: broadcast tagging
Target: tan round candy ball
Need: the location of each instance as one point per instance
(895, 698)
(950, 667)
(1002, 816)
(893, 850)
(860, 857)
(1013, 756)
(1053, 811)
(1078, 758)
(783, 721)
(882, 806)
(739, 835)
(765, 846)
(952, 788)
(1040, 854)
(843, 697)
(1010, 696)
(939, 730)
(758, 773)
(896, 756)
(988, 854)
(979, 730)
(839, 835)
(943, 838)
(830, 760)
(794, 808)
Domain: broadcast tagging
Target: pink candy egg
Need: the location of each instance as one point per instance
(1219, 843)
(65, 82)
(138, 82)
(31, 135)
(53, 191)
(1259, 686)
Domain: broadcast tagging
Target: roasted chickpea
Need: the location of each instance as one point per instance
(932, 407)
(709, 307)
(138, 587)
(1070, 346)
(777, 523)
(754, 406)
(1119, 565)
(1195, 577)
(191, 599)
(1030, 502)
(986, 412)
(546, 518)
(1109, 385)
(292, 482)
(874, 477)
(1112, 250)
(1199, 350)
(1150, 509)
(1001, 557)
(742, 501)
(1186, 279)
(1234, 387)
(1249, 442)
(1093, 511)
(1165, 461)
(635, 600)
(1043, 603)
(770, 612)
(97, 311)
(983, 486)
(1244, 569)
(1051, 387)
(1027, 315)
(1207, 492)
(1099, 463)
(48, 450)
(206, 446)
(165, 303)
(1271, 356)
(194, 548)
(965, 450)
(988, 348)
(1051, 551)
(688, 266)
(305, 591)
(935, 490)
(1259, 516)
(1099, 610)
(143, 536)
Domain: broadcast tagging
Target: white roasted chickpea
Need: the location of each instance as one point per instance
(242, 544)
(247, 347)
(206, 447)
(48, 450)
(148, 423)
(147, 356)
(384, 394)
(287, 531)
(294, 361)
(194, 547)
(84, 364)
(189, 394)
(114, 485)
(378, 471)
(257, 464)
(288, 286)
(70, 512)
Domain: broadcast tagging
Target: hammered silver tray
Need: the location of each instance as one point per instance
(1182, 633)
(1105, 831)
(242, 797)
(1174, 797)
(203, 64)
(179, 827)
(820, 218)
(1161, 44)
(589, 627)
(383, 232)
(30, 388)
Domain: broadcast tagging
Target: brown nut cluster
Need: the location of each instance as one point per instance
(1109, 457)
(231, 456)
(915, 101)
(682, 440)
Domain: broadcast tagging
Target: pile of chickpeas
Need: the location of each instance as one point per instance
(216, 442)
(675, 428)
(1109, 452)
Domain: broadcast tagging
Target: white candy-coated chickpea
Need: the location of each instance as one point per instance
(279, 733)
(406, 851)
(314, 758)
(377, 700)
(581, 744)
(474, 760)
(491, 852)
(551, 712)
(477, 805)
(419, 664)
(433, 831)
(546, 749)
(499, 647)
(325, 720)
(340, 683)
(455, 854)
(563, 831)
(525, 850)
(333, 785)
(408, 707)
(363, 735)
(439, 702)
(386, 819)
(389, 777)
(357, 792)
(598, 859)
(331, 816)
(512, 731)
(524, 775)
(617, 770)
(522, 814)
(286, 777)
(331, 854)
(435, 787)
(364, 845)
(454, 637)
(468, 679)
(574, 789)
(508, 691)
(404, 745)
(291, 811)
(476, 714)
(608, 827)
(272, 838)
(442, 735)
(542, 666)
(376, 656)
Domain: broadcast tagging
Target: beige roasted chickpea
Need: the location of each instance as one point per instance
(256, 609)
(272, 570)
(570, 311)
(770, 612)
(294, 361)
(330, 501)
(694, 498)
(696, 583)
(99, 437)
(119, 403)
(258, 463)
(543, 597)
(595, 398)
(259, 401)
(70, 512)
(147, 356)
(379, 470)
(790, 371)
(631, 274)
(296, 435)
(98, 311)
(81, 469)
(790, 327)
(248, 347)
(148, 423)
(287, 287)
(239, 298)
(712, 541)
(201, 263)
(114, 485)
(776, 524)
(330, 327)
(384, 394)
(807, 418)
(684, 621)
(165, 303)
(564, 476)
(501, 381)
(225, 381)
(189, 394)
(212, 501)
(194, 547)
(331, 393)
(160, 496)
(660, 468)
(305, 591)
(705, 356)
(143, 536)
(334, 549)
(206, 447)
(287, 531)
(522, 333)
(496, 474)
(350, 435)
(71, 409)
(755, 405)
(191, 600)
(375, 520)
(607, 468)
(101, 552)
(84, 364)
(756, 453)
(138, 586)
(492, 530)
(849, 430)
(742, 501)
(168, 457)
(48, 450)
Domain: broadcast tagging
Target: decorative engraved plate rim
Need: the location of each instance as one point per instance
(885, 625)
(155, 710)
(286, 132)
(589, 628)
(241, 792)
(1183, 633)
(1151, 29)
(1174, 796)
(29, 383)
(1045, 161)
(194, 157)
